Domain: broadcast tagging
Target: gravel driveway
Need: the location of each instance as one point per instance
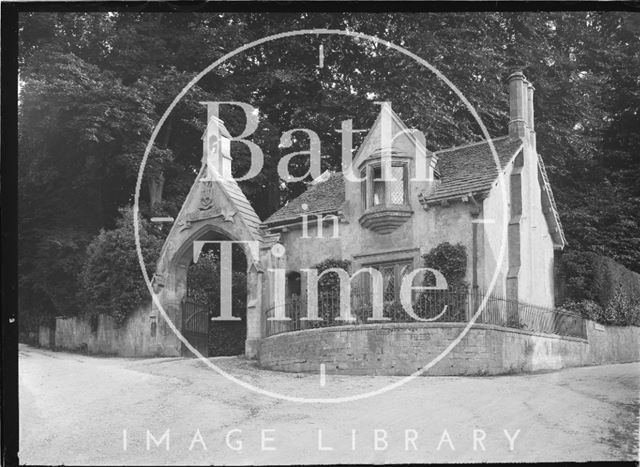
(76, 409)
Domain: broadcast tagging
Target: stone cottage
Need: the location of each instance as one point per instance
(502, 210)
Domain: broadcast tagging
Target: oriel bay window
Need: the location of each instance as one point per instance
(376, 191)
(385, 200)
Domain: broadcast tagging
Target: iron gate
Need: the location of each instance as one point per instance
(195, 327)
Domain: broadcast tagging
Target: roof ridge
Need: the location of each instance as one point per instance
(459, 177)
(484, 141)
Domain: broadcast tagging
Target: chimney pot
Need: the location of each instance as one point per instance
(518, 96)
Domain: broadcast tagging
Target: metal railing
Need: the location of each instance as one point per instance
(443, 306)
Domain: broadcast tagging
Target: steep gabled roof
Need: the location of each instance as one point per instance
(465, 169)
(234, 194)
(243, 205)
(395, 118)
(471, 168)
(326, 196)
(549, 208)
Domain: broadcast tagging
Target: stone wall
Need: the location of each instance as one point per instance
(403, 348)
(612, 344)
(142, 335)
(46, 338)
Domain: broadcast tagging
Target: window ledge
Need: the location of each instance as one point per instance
(385, 219)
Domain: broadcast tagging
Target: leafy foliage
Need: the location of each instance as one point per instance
(620, 311)
(586, 308)
(203, 284)
(330, 281)
(451, 261)
(577, 274)
(93, 86)
(623, 309)
(600, 289)
(111, 282)
(586, 275)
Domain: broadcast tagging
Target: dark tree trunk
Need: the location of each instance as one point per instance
(156, 184)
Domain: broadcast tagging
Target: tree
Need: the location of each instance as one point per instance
(94, 85)
(111, 280)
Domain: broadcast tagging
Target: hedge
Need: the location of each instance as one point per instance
(599, 288)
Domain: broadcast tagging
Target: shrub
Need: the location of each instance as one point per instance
(586, 308)
(451, 261)
(622, 309)
(600, 289)
(111, 280)
(577, 273)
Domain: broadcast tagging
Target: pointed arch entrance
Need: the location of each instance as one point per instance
(214, 211)
(215, 272)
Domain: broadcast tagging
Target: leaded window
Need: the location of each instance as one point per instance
(392, 275)
(376, 191)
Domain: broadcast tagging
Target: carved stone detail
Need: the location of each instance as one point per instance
(206, 195)
(158, 282)
(385, 219)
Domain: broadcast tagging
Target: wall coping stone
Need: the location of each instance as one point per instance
(420, 325)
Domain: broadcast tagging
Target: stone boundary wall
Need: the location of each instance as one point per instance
(403, 348)
(46, 337)
(135, 338)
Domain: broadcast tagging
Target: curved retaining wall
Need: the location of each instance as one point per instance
(403, 348)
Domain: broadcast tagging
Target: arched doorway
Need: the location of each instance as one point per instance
(215, 210)
(198, 318)
(200, 297)
(201, 309)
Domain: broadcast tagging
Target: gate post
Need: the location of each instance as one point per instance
(254, 311)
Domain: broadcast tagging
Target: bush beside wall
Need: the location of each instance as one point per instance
(599, 288)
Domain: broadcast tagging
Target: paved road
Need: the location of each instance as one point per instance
(74, 410)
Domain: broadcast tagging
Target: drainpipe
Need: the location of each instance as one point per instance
(475, 213)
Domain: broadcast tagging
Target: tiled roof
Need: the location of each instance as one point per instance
(464, 169)
(322, 197)
(472, 167)
(242, 204)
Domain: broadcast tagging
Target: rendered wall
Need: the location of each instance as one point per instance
(403, 348)
(423, 230)
(535, 283)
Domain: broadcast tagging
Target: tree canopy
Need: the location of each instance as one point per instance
(94, 85)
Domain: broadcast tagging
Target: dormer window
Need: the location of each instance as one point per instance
(379, 192)
(385, 202)
(378, 186)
